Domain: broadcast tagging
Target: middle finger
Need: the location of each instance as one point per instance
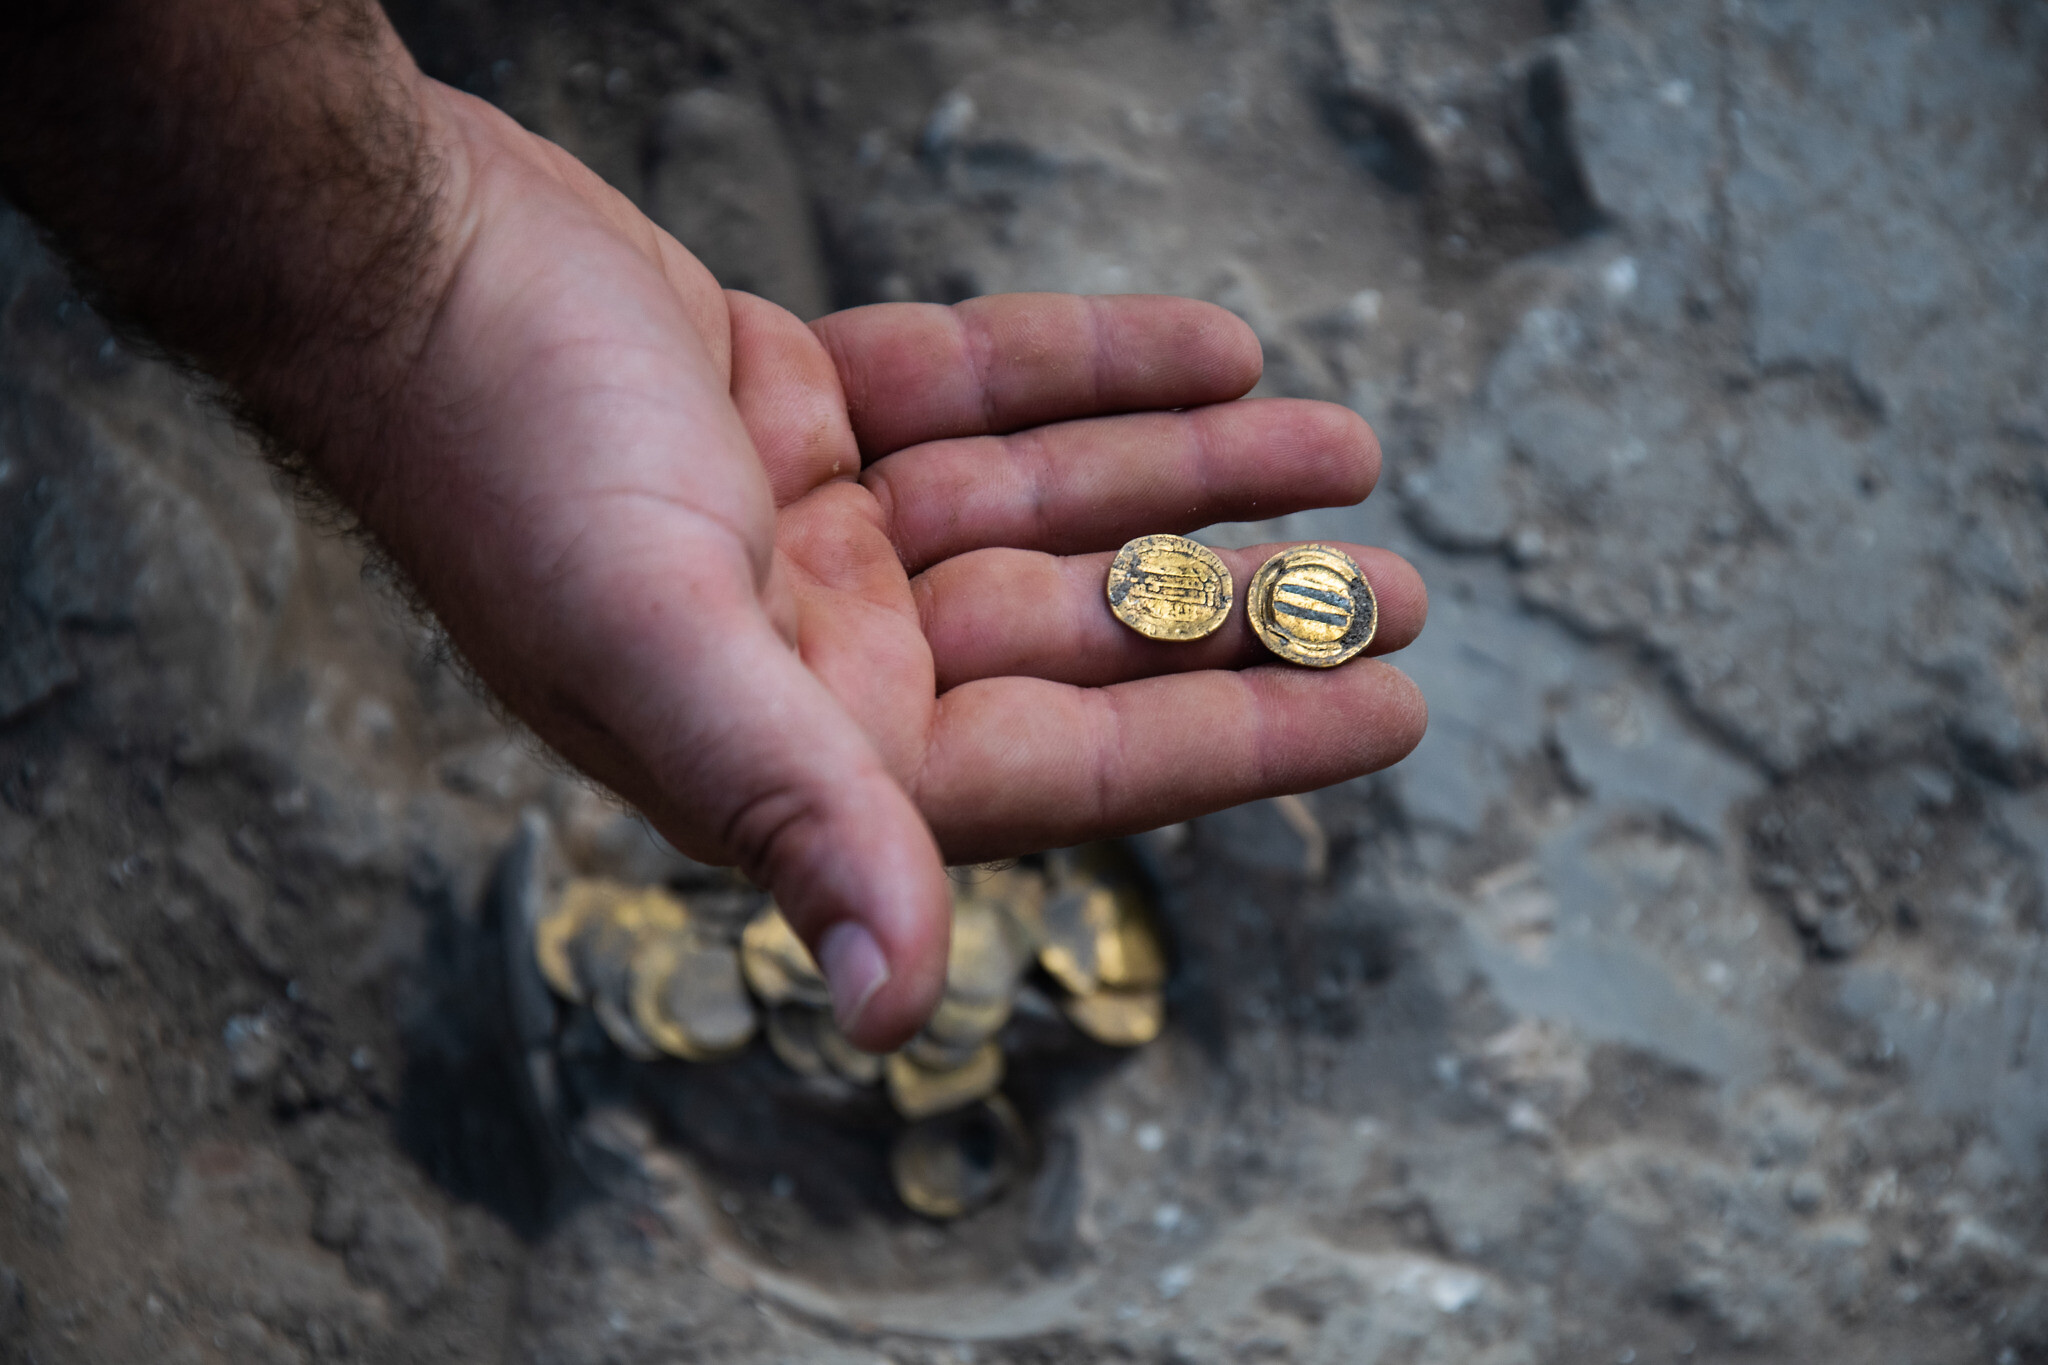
(1092, 484)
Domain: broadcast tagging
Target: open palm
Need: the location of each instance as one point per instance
(826, 600)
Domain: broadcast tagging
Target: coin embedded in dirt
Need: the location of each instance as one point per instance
(919, 1093)
(1312, 605)
(1169, 588)
(1117, 1017)
(663, 979)
(949, 1166)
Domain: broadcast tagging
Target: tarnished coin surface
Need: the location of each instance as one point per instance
(847, 1062)
(1118, 1018)
(1132, 957)
(968, 1023)
(986, 955)
(583, 900)
(1311, 605)
(688, 999)
(777, 965)
(1169, 588)
(793, 1037)
(1075, 923)
(934, 1055)
(955, 1164)
(919, 1093)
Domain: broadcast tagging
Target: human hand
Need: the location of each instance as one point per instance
(827, 601)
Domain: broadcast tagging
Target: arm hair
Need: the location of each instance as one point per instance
(246, 184)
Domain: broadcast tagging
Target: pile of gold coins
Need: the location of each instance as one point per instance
(664, 980)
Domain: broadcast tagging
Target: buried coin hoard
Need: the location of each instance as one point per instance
(1072, 935)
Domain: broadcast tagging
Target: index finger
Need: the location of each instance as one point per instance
(917, 372)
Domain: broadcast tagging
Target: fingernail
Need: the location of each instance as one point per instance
(854, 968)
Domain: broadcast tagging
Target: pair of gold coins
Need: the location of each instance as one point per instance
(1309, 604)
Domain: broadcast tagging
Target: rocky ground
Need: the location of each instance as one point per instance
(1677, 1001)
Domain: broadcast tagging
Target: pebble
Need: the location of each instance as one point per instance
(13, 1305)
(255, 1049)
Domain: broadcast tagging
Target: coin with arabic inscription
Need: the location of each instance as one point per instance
(1169, 588)
(1311, 605)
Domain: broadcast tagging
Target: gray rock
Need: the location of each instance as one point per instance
(398, 1249)
(255, 1048)
(206, 859)
(47, 1194)
(1625, 745)
(723, 181)
(1647, 109)
(13, 1305)
(1806, 1192)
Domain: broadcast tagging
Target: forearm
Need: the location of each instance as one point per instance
(250, 183)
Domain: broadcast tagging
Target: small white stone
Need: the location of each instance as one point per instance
(950, 120)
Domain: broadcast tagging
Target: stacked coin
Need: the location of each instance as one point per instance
(657, 980)
(664, 981)
(1099, 940)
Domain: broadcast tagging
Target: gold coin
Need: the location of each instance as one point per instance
(1076, 922)
(777, 965)
(1118, 1018)
(952, 1165)
(688, 998)
(1130, 956)
(1169, 588)
(581, 899)
(986, 957)
(808, 1043)
(920, 1093)
(846, 1060)
(934, 1055)
(1311, 605)
(1018, 896)
(968, 1023)
(600, 956)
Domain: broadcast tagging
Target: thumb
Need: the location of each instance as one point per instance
(774, 769)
